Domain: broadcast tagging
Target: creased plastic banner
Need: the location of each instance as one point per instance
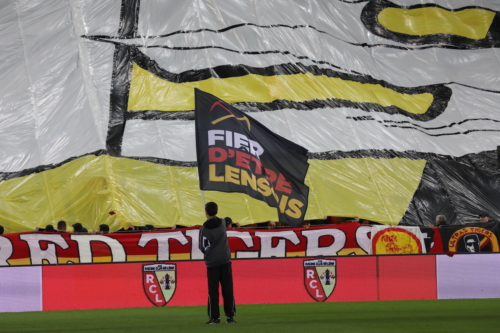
(64, 248)
(395, 101)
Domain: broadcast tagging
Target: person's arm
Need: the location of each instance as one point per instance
(200, 237)
(204, 242)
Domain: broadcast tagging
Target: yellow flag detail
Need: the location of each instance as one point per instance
(149, 92)
(472, 23)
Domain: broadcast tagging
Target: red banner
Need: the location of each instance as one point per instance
(62, 248)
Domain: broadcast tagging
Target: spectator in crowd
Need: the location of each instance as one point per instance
(322, 221)
(50, 228)
(354, 219)
(440, 221)
(133, 228)
(61, 226)
(104, 229)
(79, 229)
(130, 228)
(484, 217)
(263, 225)
(230, 223)
(1, 230)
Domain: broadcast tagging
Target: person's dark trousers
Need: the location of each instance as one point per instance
(223, 275)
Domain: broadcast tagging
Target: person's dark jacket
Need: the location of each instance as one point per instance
(213, 242)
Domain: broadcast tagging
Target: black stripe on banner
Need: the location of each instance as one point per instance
(319, 62)
(120, 86)
(423, 129)
(120, 81)
(42, 168)
(445, 134)
(442, 127)
(129, 18)
(194, 48)
(469, 159)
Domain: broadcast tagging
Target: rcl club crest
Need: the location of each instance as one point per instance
(320, 278)
(159, 281)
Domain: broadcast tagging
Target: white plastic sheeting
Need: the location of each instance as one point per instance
(61, 73)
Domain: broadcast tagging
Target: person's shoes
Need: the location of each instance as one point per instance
(230, 320)
(213, 321)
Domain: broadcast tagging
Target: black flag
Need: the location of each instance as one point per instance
(238, 154)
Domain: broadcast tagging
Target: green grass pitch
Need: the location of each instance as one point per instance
(478, 315)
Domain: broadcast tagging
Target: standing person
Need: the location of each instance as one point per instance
(213, 243)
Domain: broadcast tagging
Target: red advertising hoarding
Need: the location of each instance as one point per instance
(256, 281)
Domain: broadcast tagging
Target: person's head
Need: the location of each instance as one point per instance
(229, 221)
(471, 243)
(104, 228)
(61, 226)
(1, 230)
(77, 227)
(50, 228)
(484, 217)
(211, 209)
(149, 227)
(440, 220)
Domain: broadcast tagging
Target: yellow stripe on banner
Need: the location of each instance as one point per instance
(151, 257)
(375, 189)
(350, 251)
(180, 256)
(154, 257)
(19, 262)
(296, 254)
(102, 259)
(149, 92)
(62, 260)
(471, 23)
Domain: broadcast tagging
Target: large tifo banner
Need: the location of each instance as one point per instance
(396, 102)
(344, 239)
